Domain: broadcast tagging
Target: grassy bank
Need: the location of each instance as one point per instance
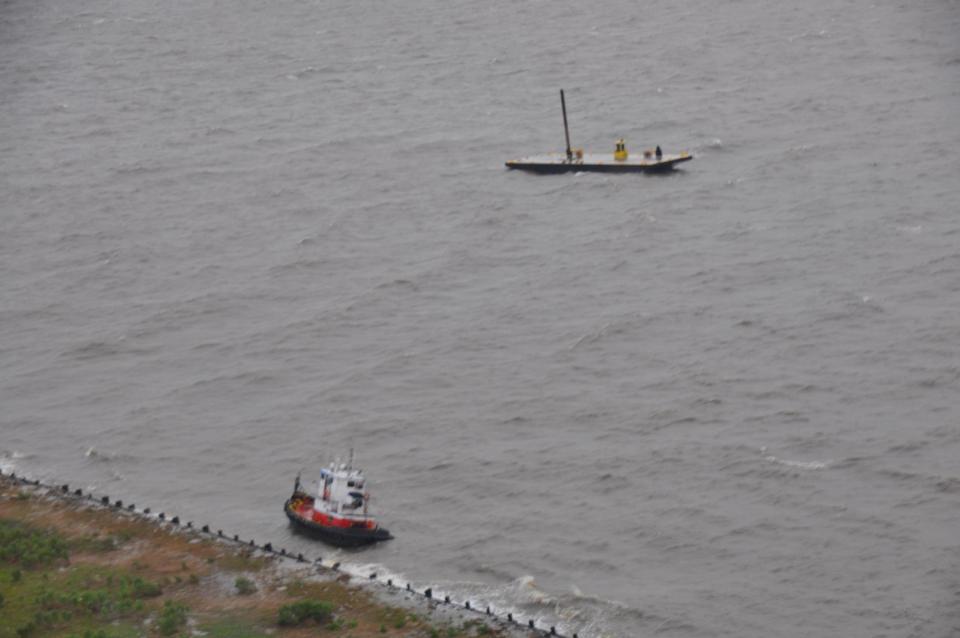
(70, 569)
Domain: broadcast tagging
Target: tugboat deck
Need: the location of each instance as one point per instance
(596, 163)
(338, 513)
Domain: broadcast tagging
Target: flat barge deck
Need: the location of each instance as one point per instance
(620, 161)
(597, 163)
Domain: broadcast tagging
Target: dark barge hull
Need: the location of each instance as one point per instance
(339, 536)
(552, 164)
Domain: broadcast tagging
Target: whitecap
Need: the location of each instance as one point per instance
(7, 460)
(803, 465)
(368, 571)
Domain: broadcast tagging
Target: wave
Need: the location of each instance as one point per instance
(8, 459)
(308, 71)
(368, 571)
(103, 349)
(94, 454)
(570, 612)
(802, 465)
(940, 483)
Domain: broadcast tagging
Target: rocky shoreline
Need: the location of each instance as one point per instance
(78, 566)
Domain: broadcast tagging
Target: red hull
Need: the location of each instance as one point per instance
(333, 529)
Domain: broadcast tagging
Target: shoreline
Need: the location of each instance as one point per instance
(209, 559)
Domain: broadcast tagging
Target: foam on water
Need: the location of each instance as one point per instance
(9, 460)
(803, 465)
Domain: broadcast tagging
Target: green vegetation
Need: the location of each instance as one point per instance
(71, 572)
(242, 562)
(244, 586)
(452, 631)
(299, 612)
(232, 628)
(41, 601)
(142, 588)
(482, 629)
(114, 631)
(172, 617)
(85, 594)
(94, 543)
(29, 547)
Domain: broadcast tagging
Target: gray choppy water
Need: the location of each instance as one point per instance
(240, 237)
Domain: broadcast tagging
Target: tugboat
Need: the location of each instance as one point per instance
(620, 161)
(338, 515)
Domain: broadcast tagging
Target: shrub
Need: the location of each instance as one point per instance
(94, 543)
(172, 617)
(145, 589)
(93, 600)
(28, 546)
(304, 610)
(45, 618)
(244, 586)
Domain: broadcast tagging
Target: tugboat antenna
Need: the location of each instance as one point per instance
(566, 129)
(350, 462)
